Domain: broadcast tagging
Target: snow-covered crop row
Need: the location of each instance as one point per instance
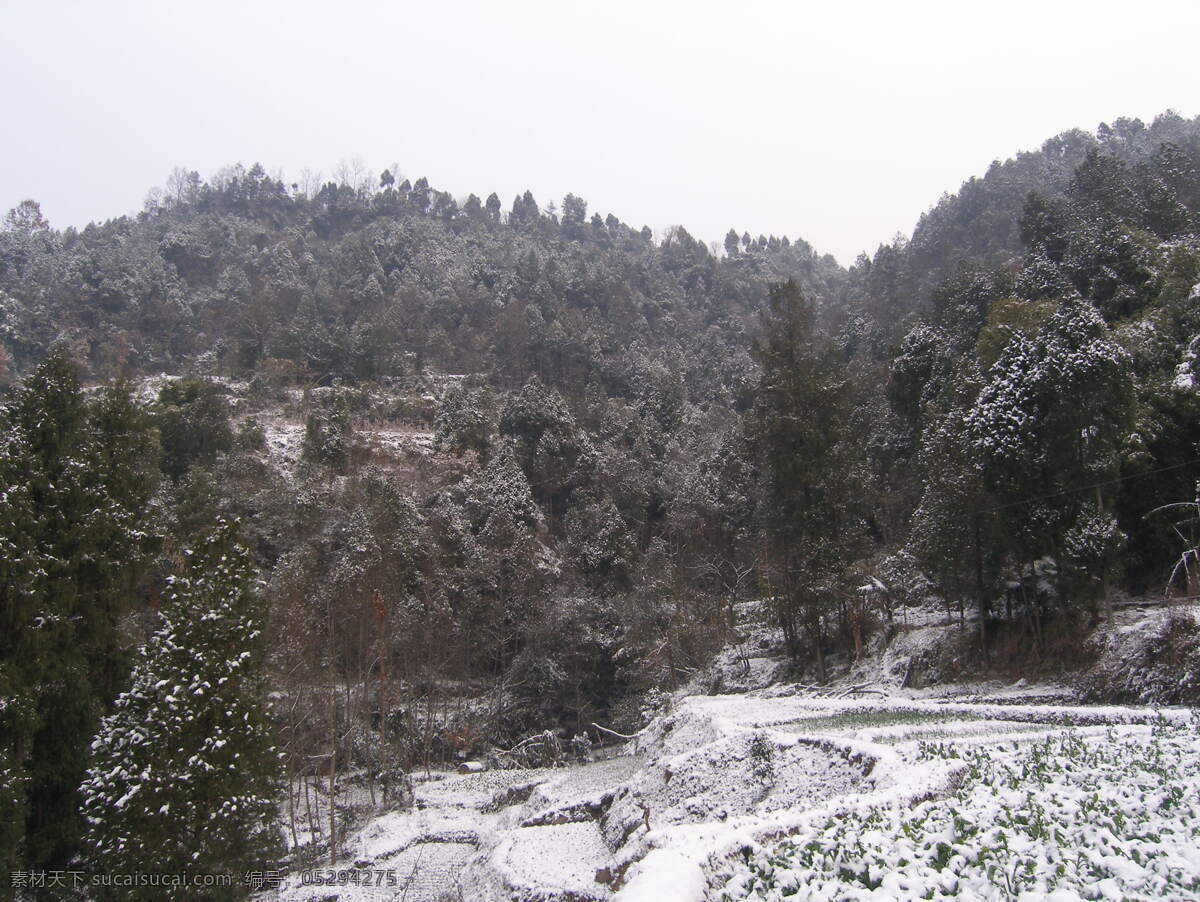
(1081, 814)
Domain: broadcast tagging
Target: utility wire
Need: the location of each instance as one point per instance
(1085, 488)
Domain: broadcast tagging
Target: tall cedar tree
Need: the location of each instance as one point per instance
(184, 773)
(813, 526)
(75, 478)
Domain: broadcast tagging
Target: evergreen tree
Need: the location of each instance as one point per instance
(77, 480)
(126, 463)
(193, 420)
(600, 541)
(801, 430)
(419, 197)
(328, 434)
(461, 424)
(954, 536)
(503, 490)
(492, 206)
(554, 453)
(1050, 422)
(184, 772)
(22, 584)
(574, 213)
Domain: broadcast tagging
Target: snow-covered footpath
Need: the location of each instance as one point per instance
(762, 796)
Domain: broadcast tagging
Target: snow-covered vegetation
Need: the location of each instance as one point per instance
(510, 490)
(1099, 813)
(763, 796)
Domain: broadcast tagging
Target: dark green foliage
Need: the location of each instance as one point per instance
(1072, 380)
(552, 450)
(250, 435)
(127, 460)
(1051, 418)
(567, 673)
(193, 422)
(461, 423)
(919, 372)
(42, 667)
(600, 541)
(328, 433)
(184, 773)
(237, 275)
(22, 584)
(503, 491)
(811, 493)
(955, 536)
(77, 478)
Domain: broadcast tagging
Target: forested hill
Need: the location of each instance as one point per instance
(534, 459)
(372, 280)
(981, 223)
(380, 280)
(368, 278)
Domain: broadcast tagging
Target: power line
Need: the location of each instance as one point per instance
(1096, 485)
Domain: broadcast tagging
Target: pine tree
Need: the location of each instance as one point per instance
(555, 454)
(184, 772)
(328, 434)
(125, 462)
(461, 424)
(954, 536)
(492, 206)
(503, 490)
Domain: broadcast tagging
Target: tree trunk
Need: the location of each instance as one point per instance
(1107, 597)
(332, 777)
(313, 826)
(816, 633)
(292, 804)
(981, 591)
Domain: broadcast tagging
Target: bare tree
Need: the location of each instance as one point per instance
(354, 174)
(309, 182)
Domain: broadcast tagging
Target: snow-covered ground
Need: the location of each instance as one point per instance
(762, 796)
(1083, 813)
(876, 787)
(283, 443)
(285, 439)
(385, 434)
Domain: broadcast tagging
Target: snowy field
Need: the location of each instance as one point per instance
(758, 796)
(1083, 813)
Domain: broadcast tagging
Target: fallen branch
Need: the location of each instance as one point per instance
(835, 692)
(613, 732)
(543, 736)
(850, 690)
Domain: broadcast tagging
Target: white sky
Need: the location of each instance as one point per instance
(837, 122)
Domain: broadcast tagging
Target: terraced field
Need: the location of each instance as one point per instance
(799, 797)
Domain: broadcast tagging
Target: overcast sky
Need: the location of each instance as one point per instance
(836, 122)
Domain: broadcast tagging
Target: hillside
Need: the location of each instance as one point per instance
(408, 480)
